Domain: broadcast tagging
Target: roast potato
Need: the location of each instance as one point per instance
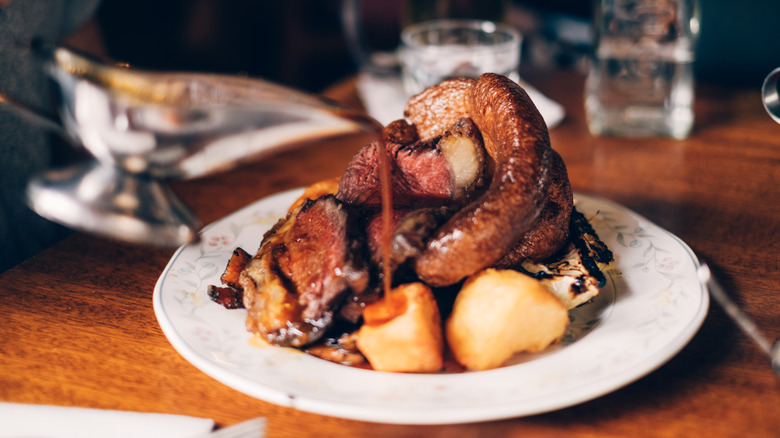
(402, 332)
(498, 313)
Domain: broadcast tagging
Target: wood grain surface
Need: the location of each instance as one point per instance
(78, 328)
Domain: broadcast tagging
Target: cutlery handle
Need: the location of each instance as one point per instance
(737, 315)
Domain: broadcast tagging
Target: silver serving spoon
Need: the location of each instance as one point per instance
(742, 320)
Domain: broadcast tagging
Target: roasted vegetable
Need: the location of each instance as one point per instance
(501, 312)
(402, 332)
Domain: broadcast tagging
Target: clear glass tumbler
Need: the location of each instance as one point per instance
(436, 50)
(641, 80)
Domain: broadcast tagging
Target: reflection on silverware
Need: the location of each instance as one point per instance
(744, 322)
(770, 96)
(144, 128)
(106, 200)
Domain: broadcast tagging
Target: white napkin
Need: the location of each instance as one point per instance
(25, 420)
(385, 98)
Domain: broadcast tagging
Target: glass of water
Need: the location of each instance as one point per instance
(641, 80)
(433, 51)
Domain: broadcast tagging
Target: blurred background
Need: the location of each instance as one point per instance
(300, 42)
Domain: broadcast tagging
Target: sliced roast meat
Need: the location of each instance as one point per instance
(432, 172)
(306, 266)
(411, 230)
(360, 184)
(324, 256)
(419, 175)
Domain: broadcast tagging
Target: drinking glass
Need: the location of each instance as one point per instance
(436, 50)
(641, 77)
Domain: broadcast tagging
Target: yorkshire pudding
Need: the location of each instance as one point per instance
(516, 140)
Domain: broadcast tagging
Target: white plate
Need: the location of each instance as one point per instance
(650, 308)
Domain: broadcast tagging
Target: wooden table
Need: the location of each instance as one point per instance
(78, 327)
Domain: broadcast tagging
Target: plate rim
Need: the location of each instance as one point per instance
(430, 415)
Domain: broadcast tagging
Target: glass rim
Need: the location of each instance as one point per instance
(486, 26)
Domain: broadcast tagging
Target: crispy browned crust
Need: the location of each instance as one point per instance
(516, 139)
(437, 108)
(550, 231)
(400, 132)
(227, 297)
(314, 191)
(236, 264)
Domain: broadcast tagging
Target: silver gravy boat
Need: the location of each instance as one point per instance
(145, 128)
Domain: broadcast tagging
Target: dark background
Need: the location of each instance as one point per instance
(300, 42)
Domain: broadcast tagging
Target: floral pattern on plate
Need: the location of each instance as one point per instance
(650, 308)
